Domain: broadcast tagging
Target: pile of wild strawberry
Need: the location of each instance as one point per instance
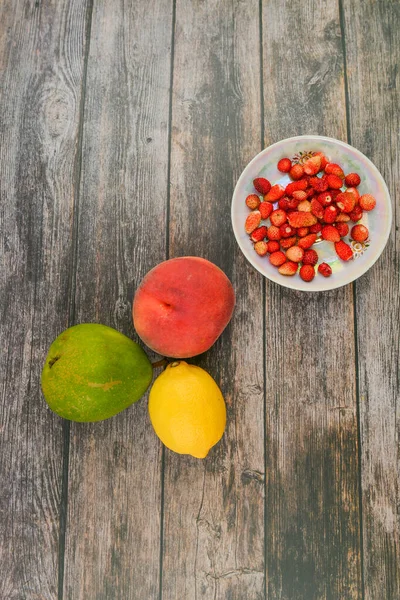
(310, 208)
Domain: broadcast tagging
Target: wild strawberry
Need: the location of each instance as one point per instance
(352, 180)
(307, 241)
(273, 246)
(288, 268)
(316, 228)
(262, 185)
(303, 231)
(296, 172)
(330, 233)
(334, 169)
(261, 248)
(252, 221)
(288, 242)
(355, 192)
(283, 203)
(277, 258)
(312, 165)
(356, 214)
(286, 230)
(273, 233)
(301, 184)
(293, 203)
(310, 257)
(325, 270)
(346, 202)
(343, 250)
(299, 195)
(295, 254)
(330, 214)
(316, 208)
(276, 192)
(259, 234)
(304, 206)
(334, 194)
(334, 182)
(325, 198)
(307, 273)
(342, 228)
(284, 165)
(265, 209)
(359, 233)
(367, 202)
(278, 217)
(342, 218)
(253, 201)
(319, 184)
(310, 192)
(324, 160)
(301, 219)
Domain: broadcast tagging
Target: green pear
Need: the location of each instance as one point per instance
(92, 372)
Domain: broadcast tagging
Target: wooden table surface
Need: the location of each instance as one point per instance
(124, 127)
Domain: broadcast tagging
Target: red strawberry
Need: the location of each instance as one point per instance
(367, 202)
(265, 209)
(278, 217)
(288, 242)
(284, 165)
(259, 234)
(301, 219)
(261, 248)
(345, 201)
(307, 241)
(316, 228)
(310, 257)
(299, 195)
(334, 169)
(325, 198)
(310, 192)
(330, 214)
(288, 268)
(325, 270)
(253, 201)
(262, 185)
(319, 184)
(343, 250)
(355, 192)
(296, 172)
(303, 231)
(276, 192)
(283, 203)
(356, 214)
(324, 160)
(273, 233)
(342, 218)
(359, 233)
(295, 254)
(273, 246)
(330, 233)
(307, 273)
(252, 221)
(316, 208)
(334, 182)
(334, 194)
(277, 258)
(352, 180)
(301, 184)
(293, 203)
(286, 230)
(312, 165)
(342, 228)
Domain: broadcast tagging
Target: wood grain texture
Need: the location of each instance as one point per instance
(373, 55)
(214, 509)
(41, 50)
(312, 503)
(113, 530)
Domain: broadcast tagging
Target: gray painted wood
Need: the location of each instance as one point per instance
(113, 529)
(41, 60)
(312, 505)
(214, 509)
(373, 55)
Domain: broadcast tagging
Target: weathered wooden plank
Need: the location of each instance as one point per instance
(373, 55)
(214, 509)
(41, 59)
(113, 533)
(312, 503)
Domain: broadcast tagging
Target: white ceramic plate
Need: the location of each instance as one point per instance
(351, 160)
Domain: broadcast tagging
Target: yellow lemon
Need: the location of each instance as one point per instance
(187, 409)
